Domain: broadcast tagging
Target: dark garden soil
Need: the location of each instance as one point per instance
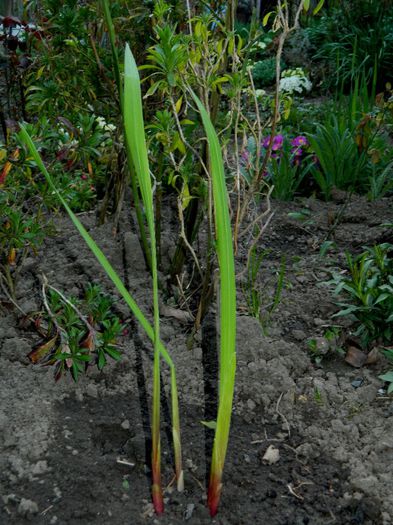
(79, 454)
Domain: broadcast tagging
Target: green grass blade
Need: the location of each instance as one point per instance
(224, 248)
(135, 136)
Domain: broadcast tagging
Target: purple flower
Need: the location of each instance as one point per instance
(299, 141)
(265, 142)
(278, 141)
(297, 152)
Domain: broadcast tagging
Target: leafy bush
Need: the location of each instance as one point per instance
(340, 164)
(264, 72)
(350, 39)
(367, 293)
(286, 168)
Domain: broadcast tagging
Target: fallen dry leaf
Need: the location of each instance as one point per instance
(372, 356)
(355, 357)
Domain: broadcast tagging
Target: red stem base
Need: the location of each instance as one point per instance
(158, 502)
(214, 494)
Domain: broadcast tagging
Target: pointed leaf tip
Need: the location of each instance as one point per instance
(130, 67)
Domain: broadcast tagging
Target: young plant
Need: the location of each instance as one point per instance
(226, 263)
(381, 183)
(77, 333)
(20, 234)
(135, 136)
(259, 305)
(340, 164)
(368, 293)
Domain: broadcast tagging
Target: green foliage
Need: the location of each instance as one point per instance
(78, 332)
(388, 377)
(340, 163)
(167, 60)
(286, 175)
(84, 152)
(367, 293)
(381, 182)
(326, 345)
(23, 226)
(352, 39)
(261, 305)
(21, 233)
(264, 72)
(71, 64)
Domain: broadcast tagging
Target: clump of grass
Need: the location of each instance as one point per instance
(133, 118)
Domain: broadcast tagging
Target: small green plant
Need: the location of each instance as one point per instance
(315, 352)
(304, 216)
(367, 292)
(259, 305)
(326, 345)
(339, 164)
(318, 396)
(78, 333)
(20, 235)
(381, 183)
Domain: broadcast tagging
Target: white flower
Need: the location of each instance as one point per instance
(101, 122)
(259, 93)
(295, 83)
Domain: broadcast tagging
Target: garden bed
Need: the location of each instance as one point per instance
(79, 453)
